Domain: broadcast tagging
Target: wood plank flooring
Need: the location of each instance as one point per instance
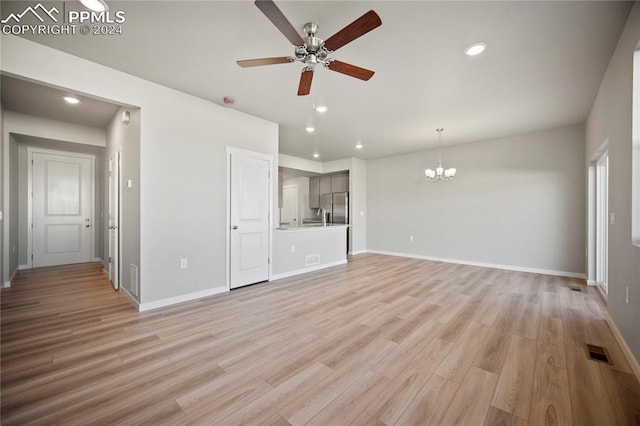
(382, 340)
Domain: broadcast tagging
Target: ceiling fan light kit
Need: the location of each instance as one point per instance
(312, 50)
(440, 173)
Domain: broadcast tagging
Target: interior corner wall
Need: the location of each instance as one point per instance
(183, 165)
(12, 208)
(611, 119)
(2, 203)
(125, 138)
(516, 202)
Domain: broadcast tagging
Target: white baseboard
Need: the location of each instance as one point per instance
(631, 359)
(305, 270)
(25, 266)
(591, 283)
(485, 265)
(7, 284)
(179, 299)
(355, 253)
(131, 297)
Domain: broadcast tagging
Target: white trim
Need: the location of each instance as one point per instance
(631, 359)
(21, 267)
(485, 265)
(6, 284)
(591, 283)
(30, 151)
(355, 253)
(179, 299)
(602, 293)
(97, 259)
(272, 175)
(305, 270)
(129, 296)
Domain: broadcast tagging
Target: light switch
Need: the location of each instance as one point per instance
(129, 184)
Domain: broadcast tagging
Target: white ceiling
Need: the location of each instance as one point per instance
(42, 101)
(542, 68)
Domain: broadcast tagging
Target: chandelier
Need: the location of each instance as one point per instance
(440, 173)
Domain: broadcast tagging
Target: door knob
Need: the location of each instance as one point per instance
(87, 226)
(234, 227)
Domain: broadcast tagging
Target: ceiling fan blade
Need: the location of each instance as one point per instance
(350, 70)
(271, 11)
(357, 28)
(304, 88)
(264, 61)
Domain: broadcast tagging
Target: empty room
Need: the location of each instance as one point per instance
(320, 212)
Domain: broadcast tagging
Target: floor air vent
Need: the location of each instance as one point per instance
(576, 289)
(598, 353)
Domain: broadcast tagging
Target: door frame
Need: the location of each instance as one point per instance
(30, 151)
(592, 217)
(118, 275)
(298, 219)
(233, 150)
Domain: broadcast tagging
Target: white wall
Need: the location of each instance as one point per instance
(611, 119)
(52, 129)
(516, 202)
(125, 138)
(182, 164)
(291, 248)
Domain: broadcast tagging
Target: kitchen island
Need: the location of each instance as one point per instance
(306, 248)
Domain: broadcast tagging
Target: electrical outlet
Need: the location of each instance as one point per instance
(410, 237)
(13, 249)
(626, 295)
(293, 248)
(183, 263)
(612, 218)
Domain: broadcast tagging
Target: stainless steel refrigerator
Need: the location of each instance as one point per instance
(336, 206)
(340, 208)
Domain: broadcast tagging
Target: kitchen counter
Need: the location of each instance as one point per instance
(312, 227)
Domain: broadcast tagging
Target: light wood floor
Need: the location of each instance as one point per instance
(382, 340)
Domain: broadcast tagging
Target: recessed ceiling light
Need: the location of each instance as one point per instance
(322, 108)
(475, 49)
(358, 145)
(316, 155)
(71, 100)
(95, 5)
(310, 129)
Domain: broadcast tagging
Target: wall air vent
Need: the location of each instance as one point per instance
(312, 259)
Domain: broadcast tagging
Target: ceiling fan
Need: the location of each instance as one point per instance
(312, 50)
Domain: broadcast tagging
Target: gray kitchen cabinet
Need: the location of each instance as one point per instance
(340, 183)
(314, 192)
(325, 185)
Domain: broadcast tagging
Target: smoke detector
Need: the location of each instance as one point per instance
(228, 100)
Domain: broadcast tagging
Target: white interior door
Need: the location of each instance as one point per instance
(62, 209)
(289, 204)
(249, 219)
(114, 220)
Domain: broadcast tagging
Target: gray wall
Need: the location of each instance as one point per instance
(13, 206)
(611, 118)
(517, 201)
(2, 205)
(22, 207)
(126, 139)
